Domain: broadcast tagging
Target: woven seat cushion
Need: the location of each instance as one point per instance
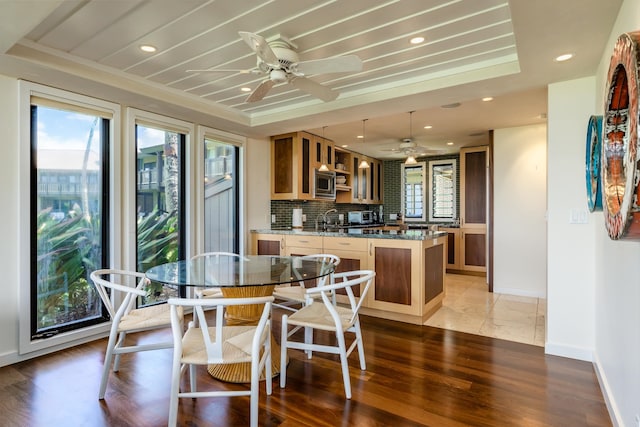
(317, 316)
(236, 347)
(146, 317)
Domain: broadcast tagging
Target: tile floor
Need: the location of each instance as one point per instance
(468, 307)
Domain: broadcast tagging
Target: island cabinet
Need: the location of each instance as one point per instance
(474, 184)
(409, 281)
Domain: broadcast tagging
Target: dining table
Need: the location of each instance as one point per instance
(240, 277)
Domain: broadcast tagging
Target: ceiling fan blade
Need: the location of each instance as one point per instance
(261, 48)
(315, 89)
(261, 91)
(220, 70)
(339, 64)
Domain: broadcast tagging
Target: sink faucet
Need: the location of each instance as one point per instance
(324, 218)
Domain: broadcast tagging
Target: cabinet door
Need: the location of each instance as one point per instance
(353, 255)
(473, 250)
(267, 244)
(398, 274)
(355, 181)
(473, 187)
(453, 248)
(291, 171)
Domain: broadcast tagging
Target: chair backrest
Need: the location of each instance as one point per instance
(345, 280)
(249, 341)
(330, 260)
(121, 282)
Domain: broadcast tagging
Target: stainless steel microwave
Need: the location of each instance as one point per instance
(324, 185)
(360, 217)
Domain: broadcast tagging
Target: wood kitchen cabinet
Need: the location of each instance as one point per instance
(409, 281)
(474, 166)
(322, 152)
(291, 171)
(453, 248)
(366, 184)
(267, 244)
(299, 245)
(352, 252)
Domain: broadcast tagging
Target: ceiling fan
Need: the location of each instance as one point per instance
(278, 60)
(408, 147)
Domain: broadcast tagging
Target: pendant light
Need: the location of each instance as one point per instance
(323, 166)
(363, 164)
(410, 159)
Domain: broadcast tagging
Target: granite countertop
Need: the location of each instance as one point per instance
(359, 233)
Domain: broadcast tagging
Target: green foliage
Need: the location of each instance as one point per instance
(157, 244)
(66, 252)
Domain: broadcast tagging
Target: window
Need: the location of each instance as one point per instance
(160, 201)
(442, 187)
(66, 191)
(413, 186)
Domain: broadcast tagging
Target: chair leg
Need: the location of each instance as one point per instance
(268, 374)
(283, 352)
(359, 344)
(308, 339)
(108, 357)
(193, 378)
(116, 360)
(345, 364)
(175, 390)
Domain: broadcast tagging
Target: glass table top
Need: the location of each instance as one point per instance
(251, 270)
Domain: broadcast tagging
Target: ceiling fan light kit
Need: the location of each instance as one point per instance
(411, 160)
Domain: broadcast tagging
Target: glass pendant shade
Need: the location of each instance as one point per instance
(410, 161)
(363, 164)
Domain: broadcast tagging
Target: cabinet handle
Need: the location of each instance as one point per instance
(304, 241)
(282, 243)
(344, 244)
(461, 222)
(370, 249)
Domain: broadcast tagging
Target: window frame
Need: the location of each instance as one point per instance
(432, 163)
(403, 202)
(27, 92)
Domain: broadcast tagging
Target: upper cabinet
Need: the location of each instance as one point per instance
(295, 156)
(291, 169)
(366, 183)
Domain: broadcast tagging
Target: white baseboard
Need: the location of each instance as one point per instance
(616, 419)
(570, 352)
(519, 292)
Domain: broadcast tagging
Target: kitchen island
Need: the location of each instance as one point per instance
(409, 264)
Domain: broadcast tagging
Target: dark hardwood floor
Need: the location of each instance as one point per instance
(416, 375)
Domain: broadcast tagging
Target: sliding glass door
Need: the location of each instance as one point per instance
(221, 201)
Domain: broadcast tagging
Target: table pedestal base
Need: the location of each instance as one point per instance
(245, 315)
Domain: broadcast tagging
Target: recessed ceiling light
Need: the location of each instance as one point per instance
(453, 105)
(449, 143)
(416, 40)
(487, 98)
(565, 57)
(344, 145)
(245, 89)
(148, 48)
(428, 127)
(359, 136)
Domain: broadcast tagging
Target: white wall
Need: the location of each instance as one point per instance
(571, 254)
(617, 284)
(257, 188)
(520, 243)
(9, 219)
